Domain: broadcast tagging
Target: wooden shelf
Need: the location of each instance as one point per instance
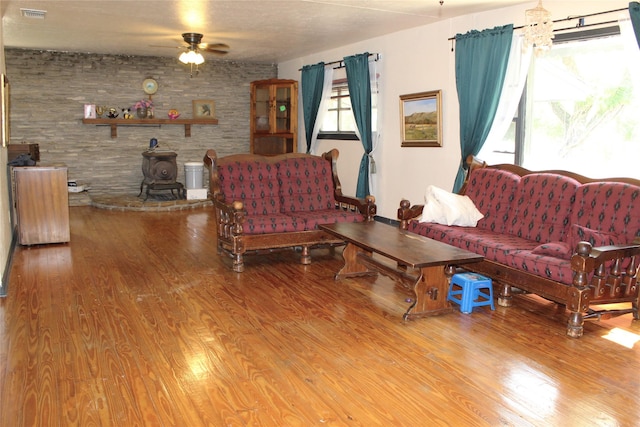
(114, 123)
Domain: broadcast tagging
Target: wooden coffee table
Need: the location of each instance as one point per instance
(433, 262)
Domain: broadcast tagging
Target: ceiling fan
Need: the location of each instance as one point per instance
(194, 40)
(192, 54)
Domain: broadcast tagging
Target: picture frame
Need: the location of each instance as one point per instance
(421, 119)
(204, 109)
(89, 111)
(4, 96)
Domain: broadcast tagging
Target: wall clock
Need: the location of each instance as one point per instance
(150, 86)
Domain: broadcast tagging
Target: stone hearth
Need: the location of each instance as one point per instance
(126, 202)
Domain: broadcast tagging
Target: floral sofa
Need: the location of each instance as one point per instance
(565, 237)
(266, 203)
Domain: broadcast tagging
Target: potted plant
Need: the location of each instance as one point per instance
(143, 108)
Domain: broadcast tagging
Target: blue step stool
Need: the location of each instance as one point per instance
(470, 290)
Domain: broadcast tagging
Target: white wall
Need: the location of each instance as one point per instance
(5, 216)
(419, 60)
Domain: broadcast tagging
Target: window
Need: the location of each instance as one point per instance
(579, 111)
(338, 121)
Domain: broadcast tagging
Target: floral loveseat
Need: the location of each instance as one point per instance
(562, 236)
(265, 203)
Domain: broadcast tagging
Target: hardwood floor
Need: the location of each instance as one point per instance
(138, 322)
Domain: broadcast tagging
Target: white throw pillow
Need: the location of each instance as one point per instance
(447, 208)
(432, 211)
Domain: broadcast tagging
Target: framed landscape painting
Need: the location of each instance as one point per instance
(421, 119)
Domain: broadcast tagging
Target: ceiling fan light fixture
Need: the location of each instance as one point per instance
(191, 57)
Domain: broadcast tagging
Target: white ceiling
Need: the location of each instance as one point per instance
(269, 31)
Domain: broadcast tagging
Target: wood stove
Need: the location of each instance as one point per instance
(160, 171)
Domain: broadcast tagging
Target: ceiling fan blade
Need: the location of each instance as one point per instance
(216, 51)
(217, 48)
(221, 46)
(191, 40)
(166, 47)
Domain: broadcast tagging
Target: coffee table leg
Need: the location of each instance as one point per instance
(351, 265)
(430, 293)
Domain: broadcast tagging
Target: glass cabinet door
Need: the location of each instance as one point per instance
(262, 99)
(283, 108)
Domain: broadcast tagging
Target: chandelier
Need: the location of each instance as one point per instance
(538, 29)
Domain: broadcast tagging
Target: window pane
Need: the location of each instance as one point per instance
(345, 102)
(330, 122)
(582, 111)
(347, 122)
(339, 117)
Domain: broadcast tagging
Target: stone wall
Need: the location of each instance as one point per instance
(49, 89)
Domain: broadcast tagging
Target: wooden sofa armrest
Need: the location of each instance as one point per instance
(603, 273)
(406, 212)
(588, 259)
(230, 217)
(366, 207)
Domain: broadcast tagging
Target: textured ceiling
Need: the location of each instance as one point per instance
(256, 31)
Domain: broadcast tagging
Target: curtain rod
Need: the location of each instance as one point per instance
(569, 18)
(341, 62)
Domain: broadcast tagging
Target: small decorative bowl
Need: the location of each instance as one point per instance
(173, 114)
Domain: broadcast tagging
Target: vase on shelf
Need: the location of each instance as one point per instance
(149, 113)
(141, 112)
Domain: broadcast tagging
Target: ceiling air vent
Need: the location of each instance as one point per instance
(33, 13)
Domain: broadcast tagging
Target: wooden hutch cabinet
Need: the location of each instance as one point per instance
(42, 204)
(274, 116)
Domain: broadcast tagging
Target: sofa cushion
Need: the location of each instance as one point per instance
(608, 207)
(252, 182)
(542, 207)
(491, 191)
(560, 250)
(493, 246)
(311, 220)
(439, 232)
(550, 267)
(306, 184)
(595, 237)
(275, 223)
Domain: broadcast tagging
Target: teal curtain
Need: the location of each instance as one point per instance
(312, 82)
(481, 65)
(634, 13)
(359, 84)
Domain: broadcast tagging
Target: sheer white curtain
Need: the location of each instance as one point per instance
(376, 119)
(517, 69)
(327, 88)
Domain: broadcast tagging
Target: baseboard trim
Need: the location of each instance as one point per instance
(7, 267)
